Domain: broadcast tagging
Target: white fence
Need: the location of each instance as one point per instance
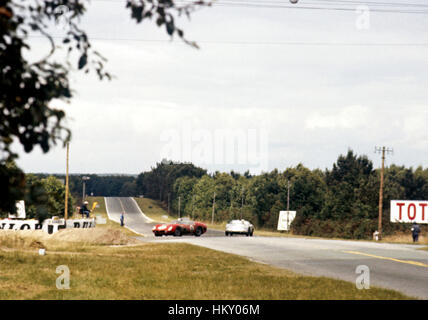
(49, 225)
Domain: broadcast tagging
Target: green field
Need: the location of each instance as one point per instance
(157, 271)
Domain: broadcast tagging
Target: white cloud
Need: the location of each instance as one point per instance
(351, 117)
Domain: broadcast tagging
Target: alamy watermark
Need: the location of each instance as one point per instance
(63, 281)
(61, 13)
(362, 21)
(221, 147)
(363, 280)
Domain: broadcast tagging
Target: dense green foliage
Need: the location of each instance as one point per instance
(338, 202)
(100, 185)
(159, 182)
(44, 197)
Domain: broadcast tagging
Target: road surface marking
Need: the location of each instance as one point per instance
(121, 204)
(416, 263)
(118, 220)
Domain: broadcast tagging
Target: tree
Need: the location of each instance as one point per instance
(204, 191)
(29, 87)
(55, 191)
(129, 189)
(183, 188)
(12, 186)
(159, 182)
(349, 178)
(265, 191)
(307, 191)
(44, 197)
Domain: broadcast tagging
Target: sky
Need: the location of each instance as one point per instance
(268, 88)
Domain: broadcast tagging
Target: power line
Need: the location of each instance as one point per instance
(333, 2)
(279, 6)
(303, 2)
(374, 3)
(311, 5)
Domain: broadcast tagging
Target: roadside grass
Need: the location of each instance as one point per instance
(156, 271)
(154, 210)
(405, 238)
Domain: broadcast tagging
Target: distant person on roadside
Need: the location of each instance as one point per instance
(84, 211)
(415, 231)
(122, 219)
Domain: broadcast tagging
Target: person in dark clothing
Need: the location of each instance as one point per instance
(122, 219)
(84, 211)
(415, 231)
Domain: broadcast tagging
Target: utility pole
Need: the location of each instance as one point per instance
(66, 184)
(193, 202)
(212, 218)
(288, 203)
(381, 150)
(168, 202)
(242, 201)
(179, 206)
(231, 205)
(84, 178)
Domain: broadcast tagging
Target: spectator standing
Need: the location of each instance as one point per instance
(122, 219)
(415, 231)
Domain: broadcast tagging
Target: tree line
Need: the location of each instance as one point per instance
(342, 201)
(338, 202)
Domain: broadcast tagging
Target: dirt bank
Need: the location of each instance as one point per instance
(40, 239)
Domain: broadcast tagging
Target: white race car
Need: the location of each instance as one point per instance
(239, 227)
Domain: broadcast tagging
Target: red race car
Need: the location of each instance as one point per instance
(179, 227)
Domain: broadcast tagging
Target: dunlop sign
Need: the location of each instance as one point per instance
(409, 211)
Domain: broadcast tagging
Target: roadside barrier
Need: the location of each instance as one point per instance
(49, 225)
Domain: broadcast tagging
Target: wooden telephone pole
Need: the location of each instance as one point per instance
(193, 205)
(179, 207)
(381, 150)
(212, 217)
(66, 185)
(288, 204)
(242, 202)
(168, 203)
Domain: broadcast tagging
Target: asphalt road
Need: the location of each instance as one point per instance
(395, 266)
(135, 219)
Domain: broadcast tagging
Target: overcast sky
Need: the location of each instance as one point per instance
(269, 78)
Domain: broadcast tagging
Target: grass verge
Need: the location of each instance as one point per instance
(156, 271)
(404, 238)
(154, 210)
